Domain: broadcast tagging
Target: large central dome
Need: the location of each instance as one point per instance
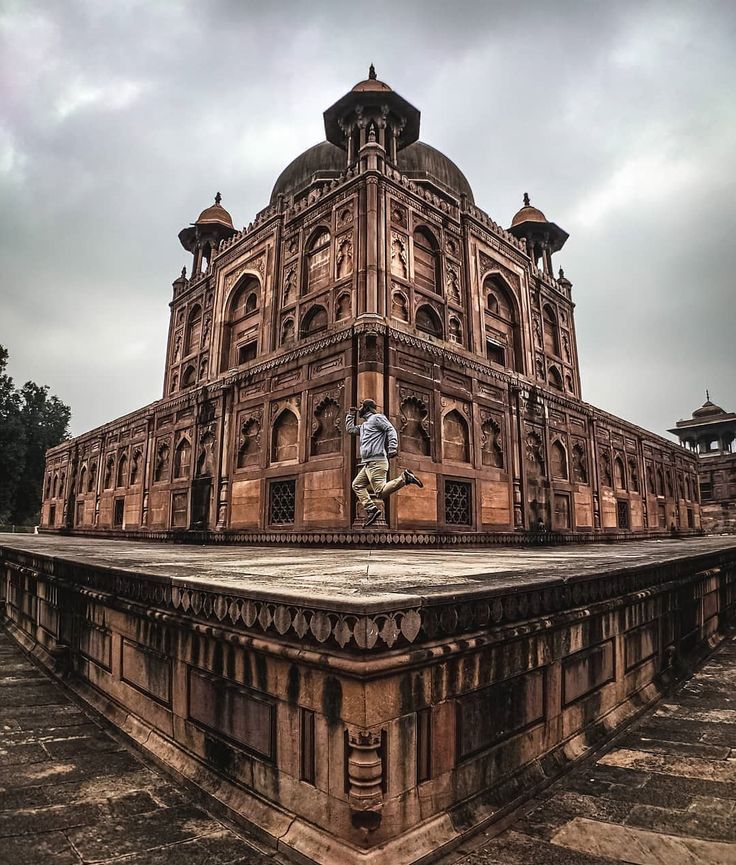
(418, 161)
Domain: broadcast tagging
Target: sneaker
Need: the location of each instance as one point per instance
(411, 478)
(373, 515)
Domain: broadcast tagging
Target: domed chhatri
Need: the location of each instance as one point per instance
(215, 214)
(371, 83)
(372, 274)
(528, 213)
(711, 434)
(214, 224)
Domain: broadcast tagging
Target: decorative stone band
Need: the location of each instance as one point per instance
(366, 631)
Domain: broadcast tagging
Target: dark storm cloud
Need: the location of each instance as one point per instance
(121, 120)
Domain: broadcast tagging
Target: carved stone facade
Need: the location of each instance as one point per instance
(371, 275)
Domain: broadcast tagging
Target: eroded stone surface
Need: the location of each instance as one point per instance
(665, 794)
(71, 794)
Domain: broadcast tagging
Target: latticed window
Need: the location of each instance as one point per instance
(282, 502)
(458, 503)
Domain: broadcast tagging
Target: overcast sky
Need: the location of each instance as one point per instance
(120, 120)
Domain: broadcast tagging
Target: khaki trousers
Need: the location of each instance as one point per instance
(373, 476)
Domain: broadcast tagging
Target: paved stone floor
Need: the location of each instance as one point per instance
(358, 575)
(71, 794)
(665, 794)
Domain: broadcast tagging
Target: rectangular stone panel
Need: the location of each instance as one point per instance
(640, 644)
(96, 644)
(488, 716)
(146, 670)
(233, 711)
(585, 671)
(48, 617)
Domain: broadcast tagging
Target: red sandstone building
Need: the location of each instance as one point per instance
(711, 434)
(371, 273)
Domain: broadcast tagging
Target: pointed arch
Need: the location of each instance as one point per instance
(619, 473)
(314, 321)
(193, 334)
(428, 321)
(135, 466)
(161, 468)
(189, 377)
(121, 478)
(554, 379)
(491, 443)
(558, 460)
(92, 478)
(414, 430)
(455, 437)
(242, 306)
(109, 471)
(285, 437)
(182, 458)
(288, 332)
(503, 340)
(206, 456)
(551, 330)
(249, 443)
(426, 260)
(343, 307)
(399, 306)
(317, 270)
(82, 479)
(326, 432)
(579, 463)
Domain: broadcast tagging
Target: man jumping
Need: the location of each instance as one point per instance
(378, 444)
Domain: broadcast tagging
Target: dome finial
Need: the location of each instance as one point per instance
(562, 273)
(526, 199)
(218, 198)
(372, 72)
(707, 395)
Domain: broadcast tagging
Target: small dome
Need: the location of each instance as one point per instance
(708, 409)
(372, 84)
(215, 214)
(528, 213)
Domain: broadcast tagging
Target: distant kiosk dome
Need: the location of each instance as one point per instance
(215, 214)
(708, 409)
(418, 161)
(372, 84)
(528, 213)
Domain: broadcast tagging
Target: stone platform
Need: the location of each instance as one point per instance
(368, 707)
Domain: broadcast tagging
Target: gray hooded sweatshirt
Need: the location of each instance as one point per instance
(377, 436)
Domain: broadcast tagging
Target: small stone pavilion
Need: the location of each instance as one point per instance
(371, 273)
(711, 433)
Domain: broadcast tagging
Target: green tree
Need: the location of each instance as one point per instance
(12, 440)
(46, 423)
(31, 421)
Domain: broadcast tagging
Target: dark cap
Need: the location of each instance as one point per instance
(366, 406)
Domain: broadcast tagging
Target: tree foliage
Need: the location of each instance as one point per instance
(31, 421)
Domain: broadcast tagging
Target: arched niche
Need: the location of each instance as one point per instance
(428, 321)
(455, 437)
(426, 260)
(317, 261)
(551, 330)
(558, 461)
(193, 333)
(314, 321)
(182, 458)
(285, 437)
(121, 479)
(240, 312)
(503, 342)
